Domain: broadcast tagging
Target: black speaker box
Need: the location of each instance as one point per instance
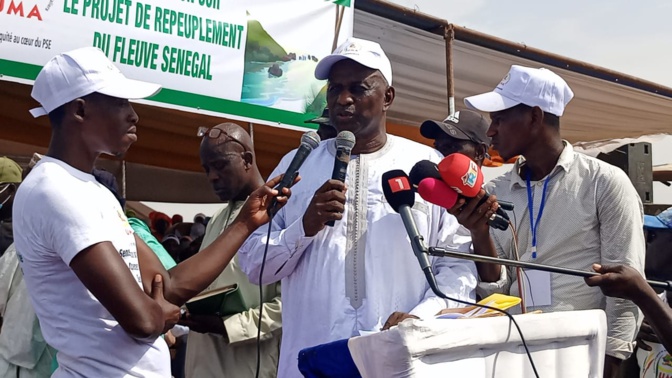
(635, 160)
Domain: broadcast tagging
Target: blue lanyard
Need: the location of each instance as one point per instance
(535, 225)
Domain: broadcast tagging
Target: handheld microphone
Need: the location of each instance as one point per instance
(437, 191)
(426, 168)
(398, 193)
(345, 141)
(463, 175)
(309, 141)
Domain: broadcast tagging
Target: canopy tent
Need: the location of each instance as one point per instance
(607, 105)
(164, 165)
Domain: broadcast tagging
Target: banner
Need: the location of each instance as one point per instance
(245, 59)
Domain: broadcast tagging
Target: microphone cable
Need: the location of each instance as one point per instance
(519, 271)
(431, 280)
(261, 295)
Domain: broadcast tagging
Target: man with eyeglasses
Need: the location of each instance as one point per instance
(223, 346)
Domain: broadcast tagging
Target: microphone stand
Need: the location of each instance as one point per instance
(443, 252)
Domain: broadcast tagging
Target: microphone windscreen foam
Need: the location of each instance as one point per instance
(311, 139)
(437, 192)
(462, 174)
(422, 170)
(345, 139)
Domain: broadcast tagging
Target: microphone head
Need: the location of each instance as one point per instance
(437, 192)
(310, 139)
(397, 189)
(462, 174)
(345, 139)
(422, 170)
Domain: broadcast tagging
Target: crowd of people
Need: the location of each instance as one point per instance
(87, 289)
(180, 239)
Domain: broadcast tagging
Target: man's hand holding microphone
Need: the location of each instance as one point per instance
(328, 203)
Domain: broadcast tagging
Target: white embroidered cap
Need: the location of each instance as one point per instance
(524, 85)
(366, 53)
(80, 72)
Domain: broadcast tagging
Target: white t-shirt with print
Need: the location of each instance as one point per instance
(58, 212)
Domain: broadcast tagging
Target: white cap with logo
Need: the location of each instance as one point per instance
(524, 85)
(80, 72)
(364, 52)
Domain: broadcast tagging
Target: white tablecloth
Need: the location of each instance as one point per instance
(563, 344)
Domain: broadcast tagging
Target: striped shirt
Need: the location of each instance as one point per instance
(592, 214)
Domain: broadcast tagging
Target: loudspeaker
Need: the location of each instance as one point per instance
(636, 160)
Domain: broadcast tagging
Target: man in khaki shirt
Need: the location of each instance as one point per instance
(226, 347)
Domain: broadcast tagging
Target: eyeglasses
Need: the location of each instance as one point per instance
(214, 133)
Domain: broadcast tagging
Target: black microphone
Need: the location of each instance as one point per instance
(399, 194)
(427, 169)
(309, 141)
(345, 141)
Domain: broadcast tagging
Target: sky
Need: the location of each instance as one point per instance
(631, 37)
(627, 36)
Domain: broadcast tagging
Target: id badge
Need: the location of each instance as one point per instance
(537, 288)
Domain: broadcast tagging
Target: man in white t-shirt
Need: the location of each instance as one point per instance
(102, 297)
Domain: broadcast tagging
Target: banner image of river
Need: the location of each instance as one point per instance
(279, 78)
